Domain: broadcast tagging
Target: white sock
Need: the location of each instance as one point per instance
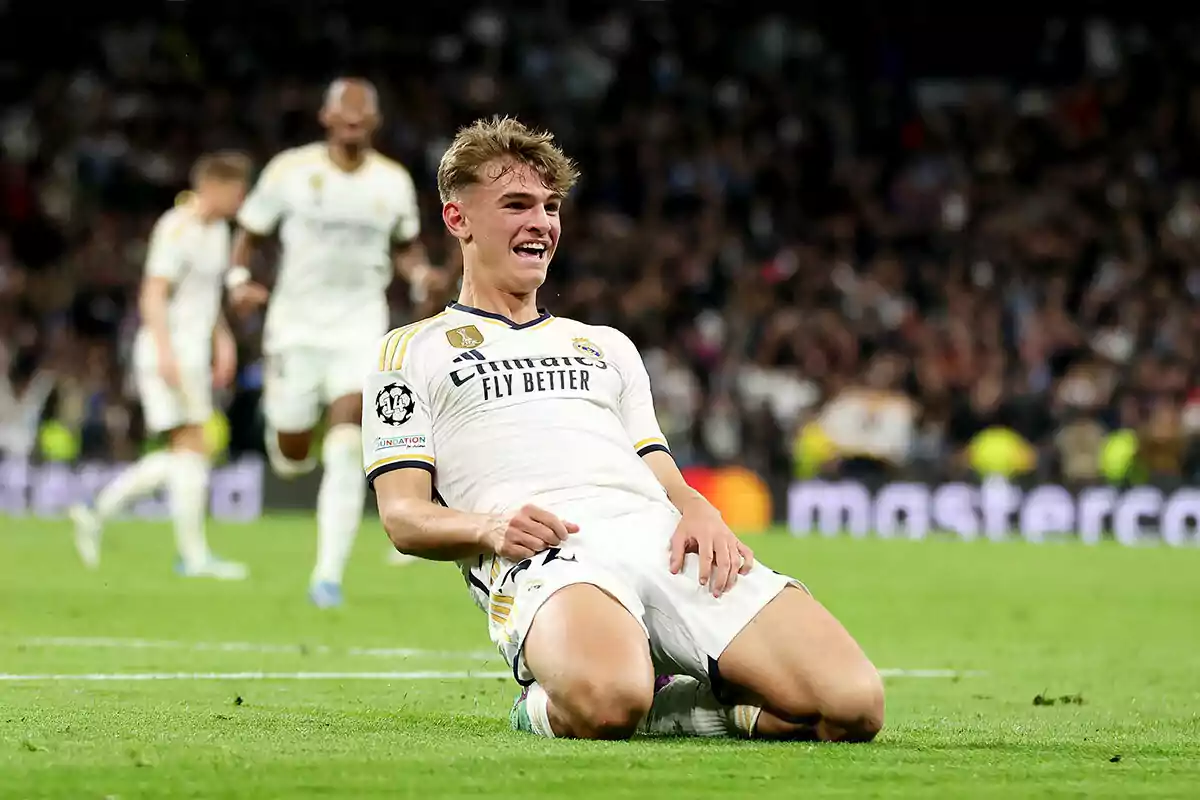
(141, 478)
(339, 501)
(536, 705)
(188, 487)
(687, 707)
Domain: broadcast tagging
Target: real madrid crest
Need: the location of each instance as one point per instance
(588, 347)
(465, 337)
(315, 182)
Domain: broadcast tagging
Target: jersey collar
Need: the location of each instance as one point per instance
(542, 316)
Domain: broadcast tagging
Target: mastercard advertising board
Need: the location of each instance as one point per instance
(738, 493)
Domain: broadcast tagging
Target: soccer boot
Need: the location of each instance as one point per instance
(325, 594)
(215, 568)
(87, 535)
(518, 718)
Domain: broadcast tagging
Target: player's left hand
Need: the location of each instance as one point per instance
(723, 557)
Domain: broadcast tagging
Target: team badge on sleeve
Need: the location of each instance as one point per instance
(587, 347)
(394, 404)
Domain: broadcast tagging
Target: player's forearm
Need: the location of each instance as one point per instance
(428, 530)
(689, 501)
(411, 260)
(153, 301)
(245, 245)
(412, 264)
(221, 330)
(686, 499)
(222, 338)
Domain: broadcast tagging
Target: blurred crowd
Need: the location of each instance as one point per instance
(835, 251)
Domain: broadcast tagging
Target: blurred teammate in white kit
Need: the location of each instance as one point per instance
(347, 220)
(183, 349)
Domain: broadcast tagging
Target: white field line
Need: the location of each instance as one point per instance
(250, 647)
(84, 642)
(129, 677)
(931, 673)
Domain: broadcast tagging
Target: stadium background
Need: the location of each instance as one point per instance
(986, 224)
(986, 218)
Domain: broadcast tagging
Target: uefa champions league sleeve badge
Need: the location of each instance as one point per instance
(394, 404)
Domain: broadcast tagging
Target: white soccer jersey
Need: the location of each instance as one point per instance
(336, 229)
(192, 255)
(552, 412)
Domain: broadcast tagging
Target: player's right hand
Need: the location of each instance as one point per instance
(168, 369)
(530, 530)
(248, 296)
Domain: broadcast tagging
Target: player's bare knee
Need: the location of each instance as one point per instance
(188, 438)
(853, 707)
(294, 446)
(288, 453)
(346, 410)
(607, 708)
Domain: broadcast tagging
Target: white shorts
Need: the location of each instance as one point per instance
(299, 382)
(165, 408)
(628, 558)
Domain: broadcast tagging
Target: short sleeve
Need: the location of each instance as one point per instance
(636, 401)
(397, 426)
(408, 221)
(166, 255)
(264, 206)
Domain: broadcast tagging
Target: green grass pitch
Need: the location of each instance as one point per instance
(390, 696)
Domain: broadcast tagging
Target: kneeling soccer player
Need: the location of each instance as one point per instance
(597, 565)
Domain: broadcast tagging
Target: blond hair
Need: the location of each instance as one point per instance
(509, 142)
(224, 165)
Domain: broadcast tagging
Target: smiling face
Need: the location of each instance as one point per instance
(502, 187)
(509, 225)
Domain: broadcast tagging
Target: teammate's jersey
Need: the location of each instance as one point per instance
(192, 255)
(336, 229)
(552, 412)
